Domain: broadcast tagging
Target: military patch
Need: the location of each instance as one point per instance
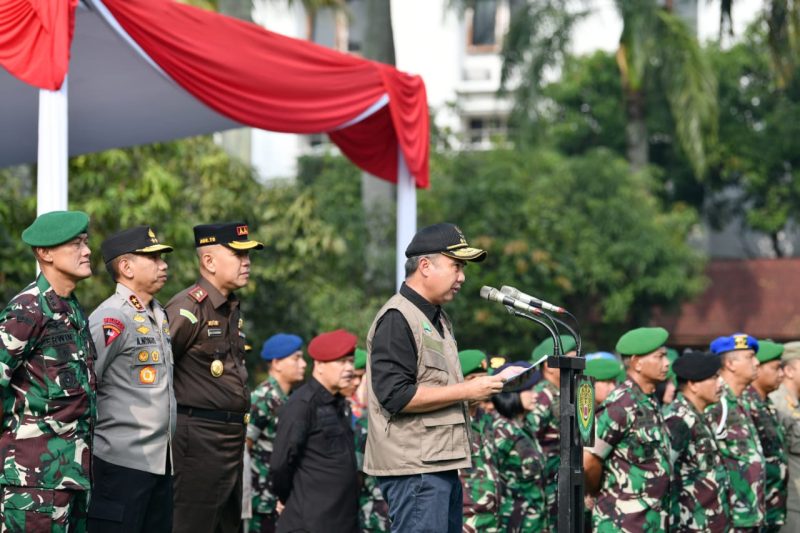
(145, 341)
(138, 318)
(740, 342)
(427, 327)
(147, 375)
(112, 328)
(213, 322)
(185, 313)
(143, 330)
(197, 293)
(155, 356)
(585, 409)
(241, 231)
(143, 356)
(214, 332)
(135, 302)
(241, 323)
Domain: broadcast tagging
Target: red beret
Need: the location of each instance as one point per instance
(332, 345)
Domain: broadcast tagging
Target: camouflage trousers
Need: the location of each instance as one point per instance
(262, 523)
(35, 509)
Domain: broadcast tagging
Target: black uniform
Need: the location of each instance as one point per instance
(314, 463)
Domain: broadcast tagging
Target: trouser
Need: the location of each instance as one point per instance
(792, 524)
(26, 509)
(126, 500)
(263, 523)
(424, 503)
(208, 475)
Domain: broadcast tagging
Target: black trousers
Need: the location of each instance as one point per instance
(128, 500)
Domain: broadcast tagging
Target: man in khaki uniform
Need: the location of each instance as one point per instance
(786, 402)
(211, 383)
(418, 425)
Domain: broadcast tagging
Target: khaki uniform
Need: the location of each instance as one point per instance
(213, 401)
(789, 417)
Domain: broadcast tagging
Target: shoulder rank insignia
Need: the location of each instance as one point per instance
(135, 302)
(197, 293)
(185, 313)
(112, 328)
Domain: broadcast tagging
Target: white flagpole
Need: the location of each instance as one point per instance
(406, 214)
(51, 177)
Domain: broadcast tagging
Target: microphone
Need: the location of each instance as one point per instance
(531, 300)
(492, 294)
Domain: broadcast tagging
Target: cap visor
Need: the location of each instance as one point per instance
(154, 248)
(244, 245)
(475, 255)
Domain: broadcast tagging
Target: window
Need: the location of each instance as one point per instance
(483, 26)
(483, 131)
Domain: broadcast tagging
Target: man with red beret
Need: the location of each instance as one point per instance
(313, 458)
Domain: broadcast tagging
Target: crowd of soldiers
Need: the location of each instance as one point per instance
(139, 417)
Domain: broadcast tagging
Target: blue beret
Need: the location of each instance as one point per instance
(737, 341)
(280, 345)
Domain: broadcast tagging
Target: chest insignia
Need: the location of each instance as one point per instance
(143, 356)
(185, 313)
(427, 327)
(138, 318)
(143, 330)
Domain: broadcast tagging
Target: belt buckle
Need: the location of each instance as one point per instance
(246, 418)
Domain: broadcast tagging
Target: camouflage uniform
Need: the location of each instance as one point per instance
(776, 466)
(520, 462)
(47, 375)
(700, 482)
(481, 482)
(634, 447)
(265, 401)
(373, 511)
(743, 457)
(544, 422)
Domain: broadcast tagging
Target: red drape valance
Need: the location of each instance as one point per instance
(35, 36)
(273, 82)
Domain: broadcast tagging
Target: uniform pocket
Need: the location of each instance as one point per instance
(445, 436)
(27, 509)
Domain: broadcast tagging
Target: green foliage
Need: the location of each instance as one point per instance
(17, 211)
(583, 231)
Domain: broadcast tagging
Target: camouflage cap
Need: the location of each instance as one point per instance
(791, 351)
(768, 351)
(642, 341)
(55, 227)
(472, 361)
(360, 359)
(546, 347)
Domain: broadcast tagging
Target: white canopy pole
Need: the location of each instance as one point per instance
(51, 177)
(406, 213)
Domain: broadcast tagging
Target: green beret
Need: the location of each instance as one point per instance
(472, 361)
(642, 341)
(546, 347)
(55, 227)
(360, 359)
(768, 351)
(603, 369)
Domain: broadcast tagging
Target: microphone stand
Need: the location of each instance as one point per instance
(570, 471)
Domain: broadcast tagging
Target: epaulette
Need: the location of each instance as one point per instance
(197, 293)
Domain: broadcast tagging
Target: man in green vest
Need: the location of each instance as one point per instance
(416, 394)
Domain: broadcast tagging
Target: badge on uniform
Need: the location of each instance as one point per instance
(185, 313)
(138, 318)
(135, 302)
(143, 330)
(213, 328)
(147, 375)
(217, 368)
(112, 328)
(427, 327)
(155, 356)
(143, 356)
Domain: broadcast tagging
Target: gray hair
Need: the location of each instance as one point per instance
(412, 263)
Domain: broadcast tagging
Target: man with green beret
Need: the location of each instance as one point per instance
(787, 405)
(132, 463)
(604, 368)
(770, 431)
(544, 417)
(481, 482)
(629, 466)
(211, 382)
(283, 353)
(47, 376)
(700, 480)
(736, 434)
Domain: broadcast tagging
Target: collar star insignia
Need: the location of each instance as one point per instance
(136, 303)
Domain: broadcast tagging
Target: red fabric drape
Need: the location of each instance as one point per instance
(274, 82)
(35, 37)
